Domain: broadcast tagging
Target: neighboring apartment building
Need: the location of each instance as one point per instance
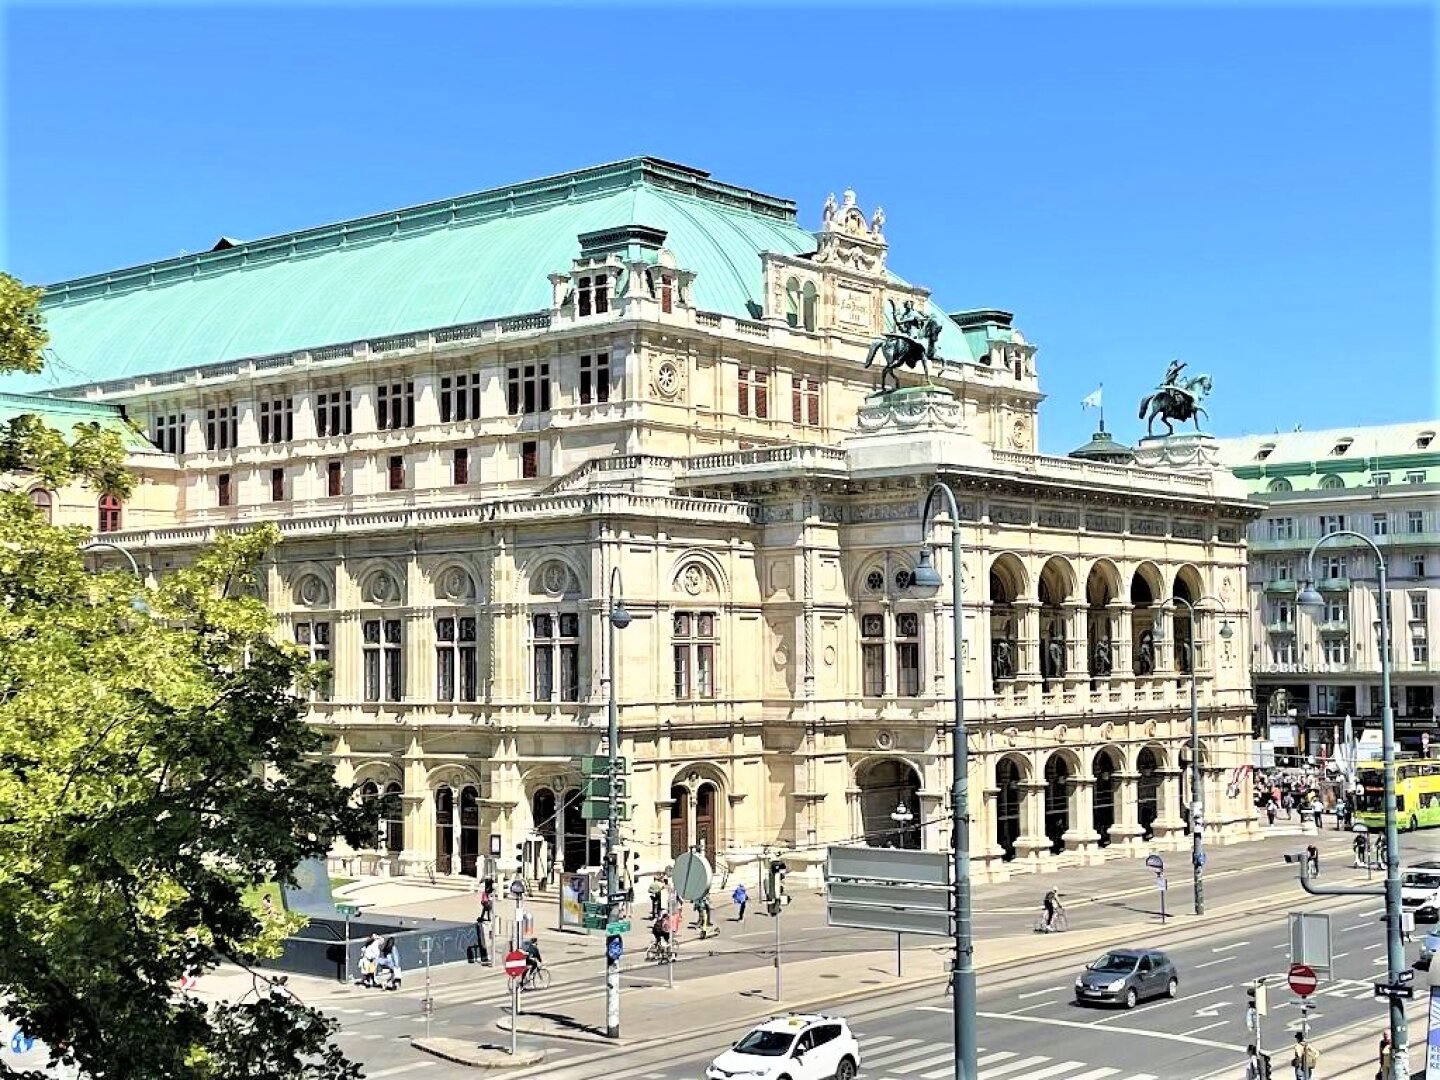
(1383, 483)
(465, 416)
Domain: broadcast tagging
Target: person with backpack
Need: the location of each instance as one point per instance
(1306, 1058)
(740, 897)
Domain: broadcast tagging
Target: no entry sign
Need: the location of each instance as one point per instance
(515, 963)
(1303, 980)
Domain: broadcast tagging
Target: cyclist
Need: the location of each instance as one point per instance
(661, 929)
(1052, 907)
(533, 962)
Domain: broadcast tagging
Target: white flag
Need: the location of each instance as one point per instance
(1091, 401)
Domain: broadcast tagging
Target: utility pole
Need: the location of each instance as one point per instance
(619, 618)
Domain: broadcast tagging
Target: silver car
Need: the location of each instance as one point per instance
(1127, 977)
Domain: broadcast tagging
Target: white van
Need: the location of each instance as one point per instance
(1420, 890)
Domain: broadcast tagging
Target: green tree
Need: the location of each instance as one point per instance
(155, 762)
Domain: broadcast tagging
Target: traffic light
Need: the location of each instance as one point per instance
(775, 893)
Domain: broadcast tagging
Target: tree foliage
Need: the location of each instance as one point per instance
(22, 333)
(155, 761)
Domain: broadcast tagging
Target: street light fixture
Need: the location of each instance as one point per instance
(1197, 785)
(902, 816)
(619, 619)
(1309, 597)
(963, 970)
(137, 603)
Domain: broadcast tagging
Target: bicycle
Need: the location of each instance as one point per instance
(536, 978)
(660, 953)
(1059, 922)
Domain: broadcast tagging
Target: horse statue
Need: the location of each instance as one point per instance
(1175, 401)
(911, 344)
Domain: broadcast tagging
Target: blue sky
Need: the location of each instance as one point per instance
(1248, 190)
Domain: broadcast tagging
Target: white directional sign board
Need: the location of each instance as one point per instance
(892, 889)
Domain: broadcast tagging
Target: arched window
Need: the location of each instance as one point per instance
(1280, 484)
(44, 503)
(792, 301)
(811, 305)
(1331, 482)
(110, 516)
(394, 818)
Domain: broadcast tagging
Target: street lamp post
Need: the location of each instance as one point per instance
(902, 816)
(618, 618)
(1197, 784)
(963, 969)
(1394, 944)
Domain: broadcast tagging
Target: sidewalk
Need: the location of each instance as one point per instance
(1349, 1054)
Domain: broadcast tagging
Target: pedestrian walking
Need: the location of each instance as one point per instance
(1270, 812)
(1340, 808)
(740, 897)
(1306, 1058)
(1386, 1057)
(1312, 856)
(387, 965)
(1359, 847)
(369, 960)
(1289, 806)
(657, 895)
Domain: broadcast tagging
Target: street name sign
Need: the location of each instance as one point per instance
(1303, 979)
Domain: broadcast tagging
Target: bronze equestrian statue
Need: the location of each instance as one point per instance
(911, 344)
(1173, 400)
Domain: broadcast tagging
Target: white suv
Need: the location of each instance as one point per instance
(795, 1047)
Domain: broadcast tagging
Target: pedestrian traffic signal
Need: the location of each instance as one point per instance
(775, 894)
(1255, 998)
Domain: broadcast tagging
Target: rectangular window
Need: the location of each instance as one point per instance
(805, 401)
(277, 421)
(455, 664)
(397, 472)
(594, 378)
(592, 294)
(582, 296)
(602, 294)
(459, 397)
(1380, 479)
(1327, 699)
(1414, 521)
(667, 294)
(693, 643)
(1379, 524)
(1337, 611)
(222, 488)
(314, 638)
(168, 433)
(556, 662)
(332, 413)
(1331, 523)
(1419, 650)
(277, 485)
(1284, 612)
(221, 428)
(527, 389)
(872, 655)
(1282, 649)
(334, 479)
(1415, 477)
(754, 396)
(394, 406)
(384, 676)
(1337, 650)
(1284, 570)
(529, 460)
(1332, 567)
(1417, 565)
(1417, 606)
(460, 466)
(1282, 528)
(907, 655)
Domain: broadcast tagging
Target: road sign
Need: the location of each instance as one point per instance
(621, 927)
(347, 910)
(1161, 883)
(895, 866)
(1156, 863)
(889, 889)
(20, 1043)
(1310, 940)
(1406, 993)
(615, 947)
(515, 963)
(691, 875)
(517, 888)
(1303, 979)
(1201, 859)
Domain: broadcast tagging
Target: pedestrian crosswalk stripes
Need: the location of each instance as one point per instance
(886, 1057)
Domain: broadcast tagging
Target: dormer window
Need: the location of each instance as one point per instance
(592, 295)
(802, 304)
(1424, 439)
(1264, 451)
(667, 293)
(1340, 447)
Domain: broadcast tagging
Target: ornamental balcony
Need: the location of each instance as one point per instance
(1334, 627)
(1284, 585)
(1280, 627)
(1333, 584)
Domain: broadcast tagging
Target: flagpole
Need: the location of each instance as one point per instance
(1102, 406)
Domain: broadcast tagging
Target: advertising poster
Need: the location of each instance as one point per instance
(1432, 1038)
(574, 895)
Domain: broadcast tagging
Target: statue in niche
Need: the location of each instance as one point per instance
(1102, 662)
(1145, 654)
(1054, 658)
(1187, 658)
(1001, 661)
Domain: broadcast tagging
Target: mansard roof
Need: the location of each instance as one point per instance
(460, 260)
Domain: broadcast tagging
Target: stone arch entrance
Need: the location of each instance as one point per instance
(884, 787)
(1147, 765)
(1008, 804)
(556, 813)
(1058, 777)
(1007, 585)
(1104, 768)
(697, 812)
(457, 818)
(679, 820)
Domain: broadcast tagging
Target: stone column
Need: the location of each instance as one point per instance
(1032, 842)
(195, 431)
(1077, 641)
(1119, 615)
(418, 650)
(363, 410)
(455, 833)
(247, 431)
(304, 417)
(1081, 835)
(1168, 822)
(1127, 829)
(1027, 636)
(989, 820)
(427, 405)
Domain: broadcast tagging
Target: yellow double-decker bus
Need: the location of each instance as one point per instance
(1417, 795)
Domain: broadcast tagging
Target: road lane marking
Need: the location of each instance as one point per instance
(1012, 1066)
(1377, 945)
(923, 1063)
(1212, 963)
(1339, 956)
(1357, 926)
(1055, 1070)
(1039, 993)
(1227, 948)
(1163, 1036)
(756, 933)
(1095, 1074)
(1207, 1027)
(998, 1056)
(396, 1070)
(1037, 1005)
(886, 1060)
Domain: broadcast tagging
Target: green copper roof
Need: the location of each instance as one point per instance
(477, 257)
(63, 415)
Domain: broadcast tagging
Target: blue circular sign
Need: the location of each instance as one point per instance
(21, 1043)
(614, 947)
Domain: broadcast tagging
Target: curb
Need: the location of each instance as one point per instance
(458, 1051)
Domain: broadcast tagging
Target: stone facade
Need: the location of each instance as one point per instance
(781, 684)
